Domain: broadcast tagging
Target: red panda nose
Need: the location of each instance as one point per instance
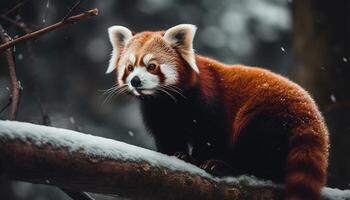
(136, 82)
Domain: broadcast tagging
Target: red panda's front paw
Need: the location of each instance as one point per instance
(216, 167)
(185, 157)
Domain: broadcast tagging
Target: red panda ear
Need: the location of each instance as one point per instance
(118, 35)
(181, 38)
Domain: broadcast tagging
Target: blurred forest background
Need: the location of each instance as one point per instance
(62, 72)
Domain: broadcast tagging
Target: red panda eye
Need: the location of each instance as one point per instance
(130, 68)
(151, 66)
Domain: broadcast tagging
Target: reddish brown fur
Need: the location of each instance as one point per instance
(246, 93)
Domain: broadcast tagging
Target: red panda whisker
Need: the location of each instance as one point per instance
(112, 89)
(176, 88)
(110, 92)
(173, 90)
(118, 91)
(167, 93)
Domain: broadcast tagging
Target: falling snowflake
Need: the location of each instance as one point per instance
(194, 121)
(72, 120)
(333, 99)
(345, 59)
(20, 56)
(282, 49)
(208, 144)
(46, 11)
(131, 133)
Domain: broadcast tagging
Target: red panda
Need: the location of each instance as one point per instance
(236, 119)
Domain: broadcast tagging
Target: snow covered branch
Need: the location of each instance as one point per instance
(83, 162)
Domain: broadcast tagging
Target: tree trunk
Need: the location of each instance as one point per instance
(322, 66)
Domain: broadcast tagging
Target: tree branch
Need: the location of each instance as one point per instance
(82, 162)
(16, 23)
(14, 8)
(71, 10)
(16, 88)
(35, 34)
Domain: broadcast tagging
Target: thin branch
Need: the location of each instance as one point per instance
(6, 106)
(35, 34)
(21, 25)
(71, 10)
(16, 88)
(14, 8)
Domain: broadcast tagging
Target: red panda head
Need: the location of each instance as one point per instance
(149, 62)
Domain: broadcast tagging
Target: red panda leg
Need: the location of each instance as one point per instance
(306, 163)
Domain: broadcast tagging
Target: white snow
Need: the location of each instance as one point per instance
(249, 180)
(92, 145)
(107, 148)
(336, 194)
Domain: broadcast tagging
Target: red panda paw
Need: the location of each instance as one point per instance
(186, 157)
(216, 167)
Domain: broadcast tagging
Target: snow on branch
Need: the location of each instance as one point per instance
(82, 162)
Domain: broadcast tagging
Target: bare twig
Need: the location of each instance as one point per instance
(16, 88)
(71, 10)
(35, 34)
(14, 8)
(6, 106)
(21, 25)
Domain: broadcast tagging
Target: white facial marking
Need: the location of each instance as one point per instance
(121, 70)
(169, 72)
(136, 93)
(147, 91)
(149, 81)
(132, 59)
(147, 58)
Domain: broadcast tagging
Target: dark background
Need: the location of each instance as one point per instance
(62, 72)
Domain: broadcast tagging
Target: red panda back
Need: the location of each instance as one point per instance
(250, 92)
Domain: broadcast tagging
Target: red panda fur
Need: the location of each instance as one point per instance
(249, 91)
(258, 122)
